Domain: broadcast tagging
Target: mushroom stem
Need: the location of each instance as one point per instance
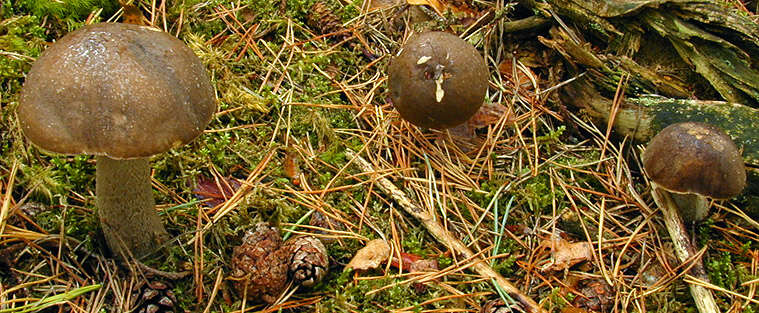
(692, 207)
(126, 207)
(684, 249)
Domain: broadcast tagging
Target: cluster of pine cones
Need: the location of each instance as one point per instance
(263, 264)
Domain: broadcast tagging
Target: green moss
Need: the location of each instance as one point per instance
(537, 192)
(351, 296)
(507, 267)
(23, 37)
(72, 10)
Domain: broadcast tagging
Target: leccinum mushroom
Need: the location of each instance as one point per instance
(438, 80)
(686, 163)
(123, 93)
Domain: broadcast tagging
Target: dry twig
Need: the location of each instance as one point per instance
(445, 237)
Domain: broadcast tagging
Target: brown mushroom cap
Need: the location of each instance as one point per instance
(433, 58)
(119, 90)
(698, 158)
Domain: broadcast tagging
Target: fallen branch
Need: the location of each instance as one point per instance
(443, 236)
(642, 118)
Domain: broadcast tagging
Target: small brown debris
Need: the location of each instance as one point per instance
(565, 254)
(414, 263)
(487, 115)
(308, 260)
(595, 295)
(371, 256)
(521, 80)
(292, 167)
(322, 18)
(321, 220)
(499, 306)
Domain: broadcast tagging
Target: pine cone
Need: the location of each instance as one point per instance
(259, 265)
(155, 297)
(308, 260)
(322, 18)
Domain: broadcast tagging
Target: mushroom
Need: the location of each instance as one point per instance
(121, 92)
(693, 161)
(438, 80)
(686, 163)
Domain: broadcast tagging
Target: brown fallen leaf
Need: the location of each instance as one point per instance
(565, 254)
(215, 192)
(414, 263)
(489, 114)
(506, 69)
(371, 256)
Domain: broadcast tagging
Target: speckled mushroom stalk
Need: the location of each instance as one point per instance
(125, 204)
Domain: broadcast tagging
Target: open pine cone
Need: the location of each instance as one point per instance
(308, 260)
(155, 297)
(259, 265)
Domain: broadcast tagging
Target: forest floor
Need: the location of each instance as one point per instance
(555, 203)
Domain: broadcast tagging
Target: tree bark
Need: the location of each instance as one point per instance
(642, 118)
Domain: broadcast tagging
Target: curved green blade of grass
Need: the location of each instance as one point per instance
(51, 301)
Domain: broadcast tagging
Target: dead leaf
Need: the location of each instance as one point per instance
(435, 4)
(506, 69)
(487, 115)
(371, 256)
(565, 254)
(215, 192)
(414, 263)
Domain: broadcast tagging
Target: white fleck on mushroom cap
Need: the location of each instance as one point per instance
(119, 90)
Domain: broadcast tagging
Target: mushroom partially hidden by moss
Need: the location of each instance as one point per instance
(438, 80)
(123, 93)
(691, 161)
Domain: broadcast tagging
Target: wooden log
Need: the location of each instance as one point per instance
(643, 117)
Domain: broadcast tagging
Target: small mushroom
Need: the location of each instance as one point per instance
(438, 80)
(691, 161)
(260, 265)
(123, 93)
